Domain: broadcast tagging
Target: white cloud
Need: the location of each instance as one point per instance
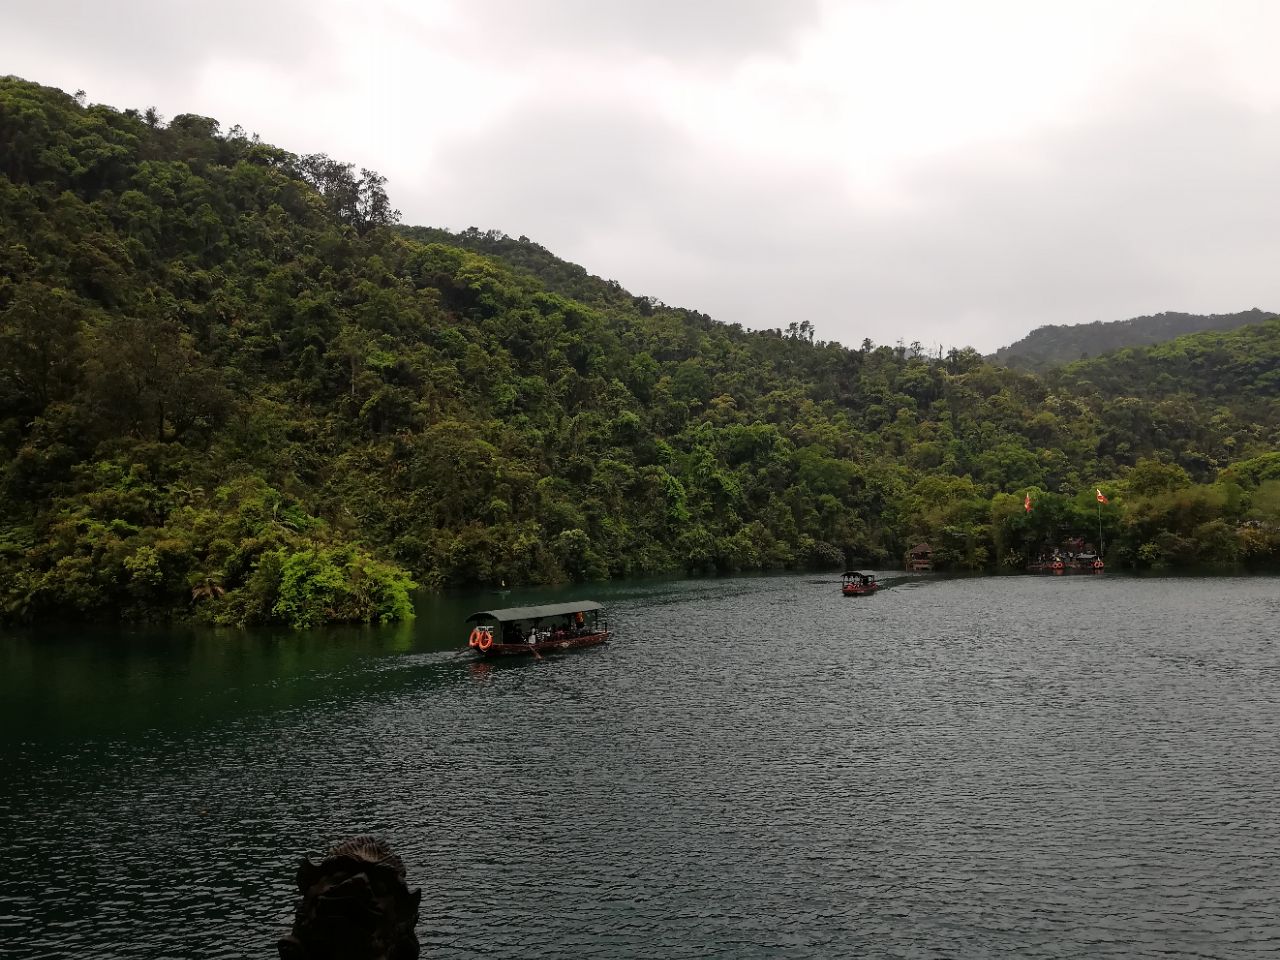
(917, 170)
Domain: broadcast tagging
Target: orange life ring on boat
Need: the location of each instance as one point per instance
(486, 641)
(476, 636)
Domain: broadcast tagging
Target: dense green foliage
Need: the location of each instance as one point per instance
(231, 388)
(1055, 344)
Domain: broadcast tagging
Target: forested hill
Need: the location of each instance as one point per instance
(1055, 345)
(534, 260)
(1238, 368)
(231, 389)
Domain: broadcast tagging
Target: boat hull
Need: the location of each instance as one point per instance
(543, 647)
(859, 591)
(1095, 566)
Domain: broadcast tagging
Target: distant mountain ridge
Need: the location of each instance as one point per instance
(1237, 369)
(1058, 344)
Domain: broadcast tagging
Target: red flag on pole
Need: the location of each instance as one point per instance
(1026, 503)
(1101, 497)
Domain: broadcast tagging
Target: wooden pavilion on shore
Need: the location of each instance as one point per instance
(919, 558)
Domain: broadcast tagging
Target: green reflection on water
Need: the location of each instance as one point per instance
(86, 681)
(80, 681)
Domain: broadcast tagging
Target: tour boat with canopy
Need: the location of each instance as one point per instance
(1081, 559)
(533, 631)
(857, 584)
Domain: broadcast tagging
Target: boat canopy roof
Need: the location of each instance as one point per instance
(856, 573)
(535, 613)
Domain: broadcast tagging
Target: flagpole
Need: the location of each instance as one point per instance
(1098, 503)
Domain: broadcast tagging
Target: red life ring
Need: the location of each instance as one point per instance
(486, 640)
(476, 635)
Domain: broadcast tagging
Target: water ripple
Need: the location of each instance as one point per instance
(1041, 768)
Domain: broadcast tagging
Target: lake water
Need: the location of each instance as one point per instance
(755, 767)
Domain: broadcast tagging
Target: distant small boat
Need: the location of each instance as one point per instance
(1068, 563)
(533, 631)
(857, 584)
(1088, 562)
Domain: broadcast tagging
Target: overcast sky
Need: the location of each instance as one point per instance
(953, 173)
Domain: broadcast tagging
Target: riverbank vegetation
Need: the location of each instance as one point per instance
(232, 388)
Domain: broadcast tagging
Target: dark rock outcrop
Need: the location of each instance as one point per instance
(355, 905)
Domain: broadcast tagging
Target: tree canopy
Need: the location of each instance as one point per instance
(232, 388)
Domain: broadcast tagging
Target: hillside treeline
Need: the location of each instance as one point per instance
(1055, 345)
(231, 388)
